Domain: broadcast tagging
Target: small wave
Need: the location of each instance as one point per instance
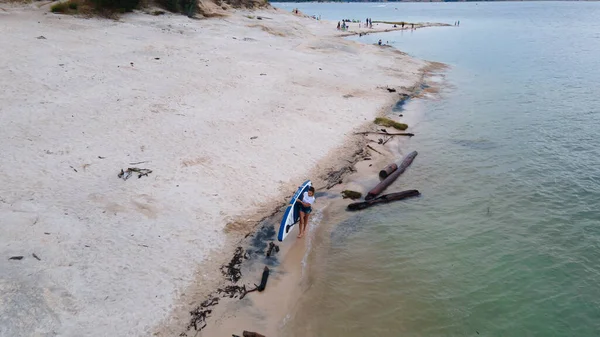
(312, 227)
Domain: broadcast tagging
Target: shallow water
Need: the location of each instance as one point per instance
(505, 240)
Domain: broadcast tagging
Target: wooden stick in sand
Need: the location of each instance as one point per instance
(408, 134)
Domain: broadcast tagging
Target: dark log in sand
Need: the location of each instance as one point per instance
(383, 199)
(263, 281)
(251, 334)
(392, 177)
(408, 134)
(387, 170)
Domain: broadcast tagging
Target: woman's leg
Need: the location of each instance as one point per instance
(306, 220)
(302, 225)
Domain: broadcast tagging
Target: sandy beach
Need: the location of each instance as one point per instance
(229, 113)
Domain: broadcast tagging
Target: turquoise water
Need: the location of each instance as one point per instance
(505, 240)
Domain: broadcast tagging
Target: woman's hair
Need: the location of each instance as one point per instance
(311, 189)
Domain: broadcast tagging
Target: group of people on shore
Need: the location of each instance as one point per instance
(343, 25)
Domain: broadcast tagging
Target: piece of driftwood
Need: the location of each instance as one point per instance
(335, 177)
(383, 199)
(272, 248)
(392, 177)
(263, 280)
(387, 170)
(261, 286)
(408, 134)
(251, 334)
(370, 147)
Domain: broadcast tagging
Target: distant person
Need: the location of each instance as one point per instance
(308, 199)
(402, 24)
(379, 42)
(395, 26)
(458, 23)
(412, 26)
(338, 26)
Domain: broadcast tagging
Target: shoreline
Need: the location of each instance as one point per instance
(111, 245)
(231, 312)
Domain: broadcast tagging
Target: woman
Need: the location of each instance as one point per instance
(308, 198)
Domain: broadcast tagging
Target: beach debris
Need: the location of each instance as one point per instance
(131, 63)
(100, 157)
(157, 58)
(384, 140)
(16, 257)
(73, 168)
(47, 233)
(251, 334)
(232, 270)
(387, 170)
(126, 174)
(371, 148)
(253, 137)
(263, 74)
(199, 315)
(390, 123)
(232, 291)
(263, 280)
(392, 177)
(36, 257)
(263, 283)
(383, 199)
(41, 37)
(334, 177)
(139, 162)
(391, 89)
(407, 134)
(272, 247)
(348, 194)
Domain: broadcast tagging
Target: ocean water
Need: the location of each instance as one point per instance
(505, 240)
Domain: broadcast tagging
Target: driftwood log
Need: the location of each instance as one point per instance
(261, 286)
(251, 334)
(408, 134)
(387, 170)
(392, 177)
(383, 199)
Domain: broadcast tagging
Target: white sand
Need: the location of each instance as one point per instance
(116, 255)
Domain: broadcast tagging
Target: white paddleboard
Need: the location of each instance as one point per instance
(292, 212)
